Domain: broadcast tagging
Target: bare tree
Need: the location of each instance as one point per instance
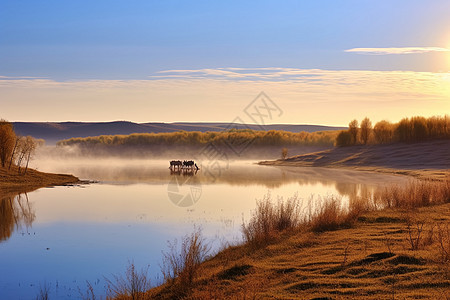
(7, 139)
(353, 129)
(14, 152)
(21, 153)
(366, 130)
(26, 148)
(31, 148)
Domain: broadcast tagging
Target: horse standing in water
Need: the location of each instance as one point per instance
(175, 164)
(188, 164)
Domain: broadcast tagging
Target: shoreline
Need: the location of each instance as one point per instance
(382, 254)
(12, 182)
(423, 174)
(426, 160)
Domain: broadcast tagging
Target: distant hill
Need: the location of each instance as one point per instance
(52, 132)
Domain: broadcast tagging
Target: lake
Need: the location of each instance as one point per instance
(62, 237)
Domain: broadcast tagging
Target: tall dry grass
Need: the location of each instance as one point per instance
(44, 292)
(330, 214)
(132, 286)
(415, 194)
(443, 239)
(272, 218)
(180, 266)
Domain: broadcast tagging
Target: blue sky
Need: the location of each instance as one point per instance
(66, 41)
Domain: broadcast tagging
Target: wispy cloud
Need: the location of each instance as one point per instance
(20, 77)
(253, 74)
(306, 95)
(400, 50)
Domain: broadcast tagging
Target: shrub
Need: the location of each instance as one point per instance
(180, 266)
(269, 219)
(284, 153)
(133, 285)
(414, 194)
(330, 215)
(344, 138)
(443, 239)
(383, 131)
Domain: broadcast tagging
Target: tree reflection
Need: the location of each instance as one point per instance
(16, 213)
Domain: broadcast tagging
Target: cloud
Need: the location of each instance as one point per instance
(253, 74)
(401, 50)
(20, 77)
(305, 95)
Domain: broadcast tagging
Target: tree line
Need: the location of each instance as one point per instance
(196, 138)
(409, 130)
(15, 150)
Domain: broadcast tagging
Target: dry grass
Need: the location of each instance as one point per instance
(443, 241)
(44, 291)
(331, 215)
(400, 252)
(89, 294)
(180, 267)
(414, 194)
(133, 286)
(270, 219)
(351, 263)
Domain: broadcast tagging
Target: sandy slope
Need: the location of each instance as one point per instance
(427, 159)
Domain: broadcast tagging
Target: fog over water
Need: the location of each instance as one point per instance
(63, 236)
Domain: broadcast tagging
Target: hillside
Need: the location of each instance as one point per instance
(424, 159)
(54, 131)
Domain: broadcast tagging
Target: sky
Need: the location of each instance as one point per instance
(319, 62)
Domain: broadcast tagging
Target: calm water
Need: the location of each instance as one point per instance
(63, 236)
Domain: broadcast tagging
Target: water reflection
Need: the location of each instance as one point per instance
(16, 212)
(237, 173)
(184, 172)
(93, 230)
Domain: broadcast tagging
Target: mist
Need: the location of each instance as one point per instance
(134, 167)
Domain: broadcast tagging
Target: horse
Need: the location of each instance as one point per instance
(188, 164)
(175, 164)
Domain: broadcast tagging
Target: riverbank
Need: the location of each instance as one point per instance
(11, 181)
(372, 260)
(394, 243)
(426, 160)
